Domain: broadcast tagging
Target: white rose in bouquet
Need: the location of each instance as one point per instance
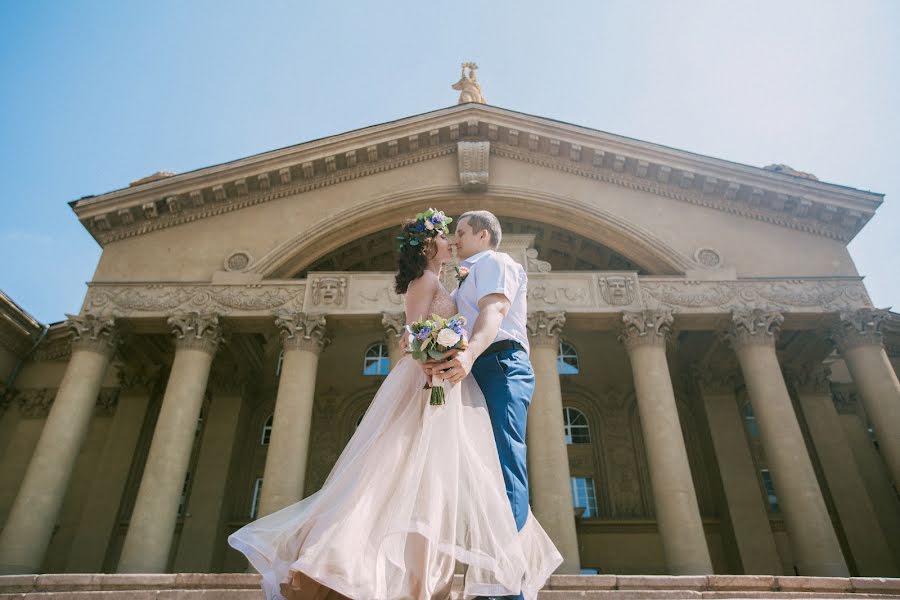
(448, 338)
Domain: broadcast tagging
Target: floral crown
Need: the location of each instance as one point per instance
(428, 223)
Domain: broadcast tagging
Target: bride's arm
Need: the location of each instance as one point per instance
(419, 296)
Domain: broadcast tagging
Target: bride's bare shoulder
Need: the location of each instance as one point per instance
(426, 283)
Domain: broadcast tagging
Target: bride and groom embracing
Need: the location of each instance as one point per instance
(420, 487)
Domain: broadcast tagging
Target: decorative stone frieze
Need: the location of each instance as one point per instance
(136, 380)
(474, 158)
(196, 331)
(544, 327)
(754, 327)
(861, 327)
(303, 331)
(645, 327)
(93, 333)
(107, 401)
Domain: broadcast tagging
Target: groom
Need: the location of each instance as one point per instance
(492, 299)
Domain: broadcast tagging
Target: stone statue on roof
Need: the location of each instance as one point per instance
(469, 90)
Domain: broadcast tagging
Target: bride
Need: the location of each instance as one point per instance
(417, 489)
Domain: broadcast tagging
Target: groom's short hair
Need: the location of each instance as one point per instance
(480, 220)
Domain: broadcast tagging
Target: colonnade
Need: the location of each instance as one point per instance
(644, 335)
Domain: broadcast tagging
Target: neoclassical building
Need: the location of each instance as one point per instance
(715, 391)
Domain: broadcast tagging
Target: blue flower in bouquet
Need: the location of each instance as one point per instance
(423, 333)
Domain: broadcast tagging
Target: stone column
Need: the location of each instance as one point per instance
(303, 338)
(203, 533)
(859, 340)
(101, 509)
(394, 324)
(746, 508)
(644, 335)
(24, 539)
(152, 526)
(30, 409)
(813, 540)
(848, 490)
(548, 459)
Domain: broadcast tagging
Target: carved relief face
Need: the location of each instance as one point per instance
(329, 290)
(617, 290)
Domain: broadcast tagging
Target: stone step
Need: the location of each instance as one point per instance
(243, 586)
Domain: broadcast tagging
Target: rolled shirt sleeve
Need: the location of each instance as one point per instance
(496, 276)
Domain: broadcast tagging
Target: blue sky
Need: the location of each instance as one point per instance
(97, 94)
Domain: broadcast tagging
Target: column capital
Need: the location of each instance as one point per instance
(196, 331)
(544, 327)
(645, 328)
(861, 327)
(302, 331)
(716, 380)
(812, 378)
(394, 323)
(92, 333)
(754, 328)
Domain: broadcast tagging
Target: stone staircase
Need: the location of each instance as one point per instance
(242, 586)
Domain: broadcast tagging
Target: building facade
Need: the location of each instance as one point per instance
(715, 392)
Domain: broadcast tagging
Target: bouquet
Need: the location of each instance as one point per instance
(432, 339)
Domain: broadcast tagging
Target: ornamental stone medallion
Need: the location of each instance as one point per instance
(237, 261)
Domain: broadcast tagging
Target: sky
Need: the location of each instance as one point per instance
(97, 94)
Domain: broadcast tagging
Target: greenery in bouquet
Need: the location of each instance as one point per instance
(432, 339)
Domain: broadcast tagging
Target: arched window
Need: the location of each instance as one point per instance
(567, 359)
(576, 426)
(266, 432)
(376, 361)
(254, 502)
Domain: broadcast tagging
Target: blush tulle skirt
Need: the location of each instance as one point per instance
(417, 489)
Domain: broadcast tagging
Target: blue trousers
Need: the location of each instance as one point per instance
(506, 379)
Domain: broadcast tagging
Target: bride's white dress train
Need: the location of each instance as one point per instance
(417, 489)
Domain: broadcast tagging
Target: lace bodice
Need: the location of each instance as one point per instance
(442, 303)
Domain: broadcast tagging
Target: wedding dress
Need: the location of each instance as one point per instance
(417, 489)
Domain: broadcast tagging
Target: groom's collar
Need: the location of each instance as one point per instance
(475, 257)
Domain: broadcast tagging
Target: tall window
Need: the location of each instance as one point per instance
(266, 432)
(576, 426)
(279, 364)
(770, 490)
(182, 500)
(750, 422)
(584, 496)
(567, 359)
(376, 361)
(254, 502)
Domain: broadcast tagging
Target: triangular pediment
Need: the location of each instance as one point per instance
(796, 202)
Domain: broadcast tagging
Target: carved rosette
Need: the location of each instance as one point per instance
(92, 333)
(196, 331)
(811, 379)
(754, 327)
(35, 404)
(544, 327)
(394, 324)
(861, 327)
(645, 328)
(302, 331)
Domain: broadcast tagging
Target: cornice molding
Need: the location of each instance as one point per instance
(805, 205)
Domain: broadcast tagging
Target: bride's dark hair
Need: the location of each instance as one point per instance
(413, 260)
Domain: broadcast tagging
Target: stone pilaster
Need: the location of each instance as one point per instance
(98, 522)
(152, 525)
(746, 508)
(848, 490)
(394, 326)
(24, 539)
(644, 334)
(859, 340)
(303, 337)
(813, 540)
(548, 460)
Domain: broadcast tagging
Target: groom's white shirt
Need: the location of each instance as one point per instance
(493, 272)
